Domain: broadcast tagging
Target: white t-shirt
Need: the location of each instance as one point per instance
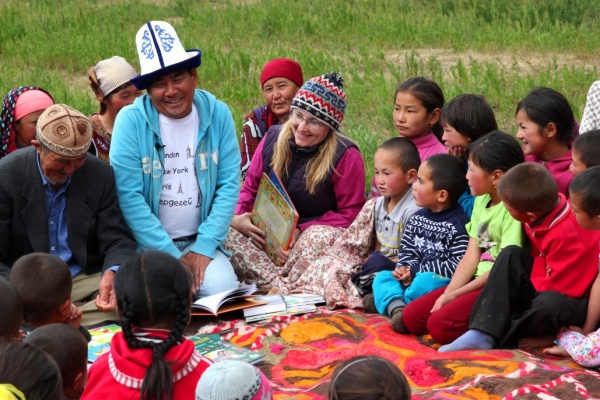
(180, 199)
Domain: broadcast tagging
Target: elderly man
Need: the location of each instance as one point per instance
(56, 199)
(176, 160)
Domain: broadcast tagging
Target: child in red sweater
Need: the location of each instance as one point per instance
(150, 359)
(530, 296)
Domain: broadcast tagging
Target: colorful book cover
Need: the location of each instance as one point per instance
(274, 213)
(100, 343)
(211, 346)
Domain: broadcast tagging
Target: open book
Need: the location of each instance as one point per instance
(211, 346)
(275, 214)
(230, 300)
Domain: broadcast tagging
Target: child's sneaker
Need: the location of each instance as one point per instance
(369, 304)
(397, 323)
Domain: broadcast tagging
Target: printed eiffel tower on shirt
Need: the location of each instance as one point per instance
(180, 190)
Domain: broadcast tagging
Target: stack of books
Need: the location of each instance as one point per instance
(283, 304)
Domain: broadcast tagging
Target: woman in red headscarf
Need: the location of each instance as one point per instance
(20, 111)
(280, 80)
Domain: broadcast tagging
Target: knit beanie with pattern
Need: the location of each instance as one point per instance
(324, 98)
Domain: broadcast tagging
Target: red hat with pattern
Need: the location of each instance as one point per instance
(323, 97)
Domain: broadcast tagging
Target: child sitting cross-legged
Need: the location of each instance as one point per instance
(434, 241)
(43, 282)
(150, 359)
(396, 164)
(529, 296)
(583, 344)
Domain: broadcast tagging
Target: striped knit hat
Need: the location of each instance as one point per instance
(323, 97)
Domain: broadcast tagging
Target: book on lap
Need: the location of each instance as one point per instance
(275, 214)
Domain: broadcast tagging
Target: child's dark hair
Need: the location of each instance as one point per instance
(470, 115)
(496, 150)
(544, 105)
(588, 148)
(529, 187)
(368, 378)
(43, 282)
(586, 188)
(12, 310)
(448, 173)
(154, 287)
(30, 370)
(406, 152)
(429, 94)
(66, 345)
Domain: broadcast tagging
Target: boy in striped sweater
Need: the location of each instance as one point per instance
(434, 241)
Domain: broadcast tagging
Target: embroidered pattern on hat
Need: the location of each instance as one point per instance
(147, 46)
(166, 39)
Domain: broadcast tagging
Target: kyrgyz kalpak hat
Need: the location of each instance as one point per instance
(160, 52)
(64, 130)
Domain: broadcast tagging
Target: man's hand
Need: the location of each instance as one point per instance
(196, 264)
(106, 301)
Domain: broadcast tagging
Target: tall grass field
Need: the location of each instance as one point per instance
(500, 49)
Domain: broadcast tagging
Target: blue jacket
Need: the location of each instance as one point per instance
(137, 156)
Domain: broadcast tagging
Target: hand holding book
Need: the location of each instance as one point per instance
(243, 224)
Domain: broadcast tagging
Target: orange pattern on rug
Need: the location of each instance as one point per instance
(302, 351)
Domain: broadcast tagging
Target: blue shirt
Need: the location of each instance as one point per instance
(56, 210)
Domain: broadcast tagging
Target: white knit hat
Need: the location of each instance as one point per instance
(161, 52)
(233, 380)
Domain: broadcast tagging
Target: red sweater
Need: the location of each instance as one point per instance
(118, 374)
(568, 250)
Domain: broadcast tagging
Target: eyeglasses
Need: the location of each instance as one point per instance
(312, 123)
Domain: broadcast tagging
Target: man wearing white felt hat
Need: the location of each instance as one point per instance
(176, 161)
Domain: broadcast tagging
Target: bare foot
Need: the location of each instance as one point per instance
(529, 343)
(556, 351)
(275, 290)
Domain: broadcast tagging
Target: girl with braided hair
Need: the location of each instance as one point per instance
(150, 359)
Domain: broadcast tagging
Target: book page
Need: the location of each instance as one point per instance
(212, 303)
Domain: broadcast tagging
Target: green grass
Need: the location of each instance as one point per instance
(500, 49)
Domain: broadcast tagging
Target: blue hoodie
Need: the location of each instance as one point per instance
(137, 156)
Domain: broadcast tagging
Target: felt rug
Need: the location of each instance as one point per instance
(302, 351)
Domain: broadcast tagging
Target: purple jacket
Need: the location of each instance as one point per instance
(337, 201)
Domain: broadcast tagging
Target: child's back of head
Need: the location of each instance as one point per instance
(12, 311)
(529, 188)
(30, 370)
(153, 290)
(44, 284)
(368, 378)
(232, 379)
(470, 116)
(69, 349)
(586, 151)
(447, 172)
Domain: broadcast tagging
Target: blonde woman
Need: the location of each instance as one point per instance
(322, 171)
